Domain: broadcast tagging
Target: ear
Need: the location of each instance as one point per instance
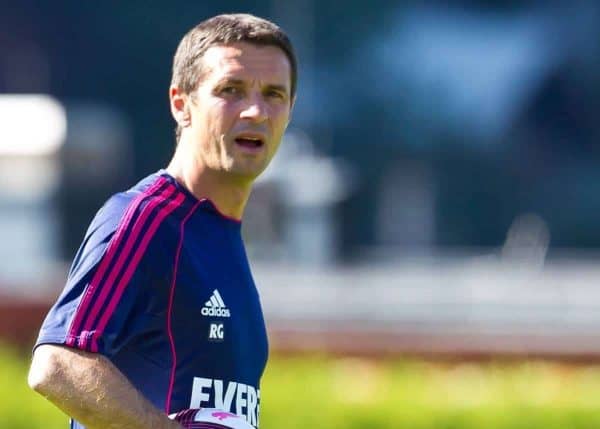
(180, 108)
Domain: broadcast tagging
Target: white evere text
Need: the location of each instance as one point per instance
(238, 398)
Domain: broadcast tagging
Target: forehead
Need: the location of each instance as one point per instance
(241, 60)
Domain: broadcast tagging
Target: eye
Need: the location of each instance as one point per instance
(272, 93)
(230, 90)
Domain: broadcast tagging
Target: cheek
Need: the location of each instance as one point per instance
(211, 113)
(280, 119)
(222, 117)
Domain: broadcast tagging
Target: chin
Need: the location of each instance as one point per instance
(249, 172)
(250, 175)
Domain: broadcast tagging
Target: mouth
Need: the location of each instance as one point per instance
(250, 143)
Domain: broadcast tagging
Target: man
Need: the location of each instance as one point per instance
(160, 312)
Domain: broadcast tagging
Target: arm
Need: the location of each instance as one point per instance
(88, 387)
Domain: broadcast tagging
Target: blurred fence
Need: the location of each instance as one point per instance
(469, 306)
(464, 306)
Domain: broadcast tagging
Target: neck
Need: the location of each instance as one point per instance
(227, 194)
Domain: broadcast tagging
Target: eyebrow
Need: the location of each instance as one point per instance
(227, 80)
(231, 81)
(281, 88)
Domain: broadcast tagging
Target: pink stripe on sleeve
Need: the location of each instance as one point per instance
(114, 301)
(122, 258)
(114, 243)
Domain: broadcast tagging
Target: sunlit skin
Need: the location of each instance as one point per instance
(244, 93)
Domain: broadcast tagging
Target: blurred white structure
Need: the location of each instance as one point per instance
(451, 304)
(527, 242)
(303, 188)
(31, 125)
(33, 130)
(49, 153)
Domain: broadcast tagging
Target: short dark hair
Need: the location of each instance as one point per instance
(223, 30)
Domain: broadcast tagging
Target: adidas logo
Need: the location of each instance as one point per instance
(215, 306)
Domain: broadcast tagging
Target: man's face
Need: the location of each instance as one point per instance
(240, 110)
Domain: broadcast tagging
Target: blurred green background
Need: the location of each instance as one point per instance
(315, 391)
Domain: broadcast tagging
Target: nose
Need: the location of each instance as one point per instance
(255, 110)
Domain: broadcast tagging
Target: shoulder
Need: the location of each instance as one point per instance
(149, 196)
(154, 207)
(113, 211)
(120, 214)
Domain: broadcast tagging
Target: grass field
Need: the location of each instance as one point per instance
(317, 392)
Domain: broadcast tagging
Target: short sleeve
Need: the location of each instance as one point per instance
(102, 304)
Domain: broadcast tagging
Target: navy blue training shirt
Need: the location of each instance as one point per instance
(162, 287)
